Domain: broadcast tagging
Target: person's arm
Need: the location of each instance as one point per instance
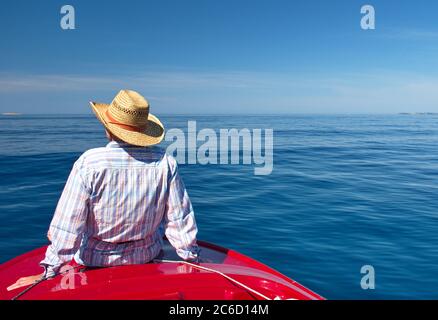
(179, 218)
(68, 223)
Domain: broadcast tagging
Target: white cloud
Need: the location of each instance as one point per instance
(245, 92)
(172, 80)
(410, 34)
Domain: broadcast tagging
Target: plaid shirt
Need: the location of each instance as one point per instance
(116, 206)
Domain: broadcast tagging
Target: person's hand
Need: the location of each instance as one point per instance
(25, 281)
(49, 236)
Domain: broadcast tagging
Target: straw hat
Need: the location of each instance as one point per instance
(128, 119)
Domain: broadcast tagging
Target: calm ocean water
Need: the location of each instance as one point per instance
(346, 191)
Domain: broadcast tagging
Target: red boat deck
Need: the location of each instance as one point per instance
(157, 280)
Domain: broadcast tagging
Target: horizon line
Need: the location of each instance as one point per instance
(14, 114)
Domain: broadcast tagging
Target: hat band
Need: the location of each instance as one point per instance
(123, 125)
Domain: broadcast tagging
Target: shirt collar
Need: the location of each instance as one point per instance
(116, 144)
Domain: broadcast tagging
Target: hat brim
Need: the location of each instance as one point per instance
(153, 134)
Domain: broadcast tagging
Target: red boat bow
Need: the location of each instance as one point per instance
(222, 274)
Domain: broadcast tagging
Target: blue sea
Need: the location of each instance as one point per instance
(345, 191)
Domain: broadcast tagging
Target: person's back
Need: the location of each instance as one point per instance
(119, 199)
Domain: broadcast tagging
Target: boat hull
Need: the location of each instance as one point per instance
(168, 280)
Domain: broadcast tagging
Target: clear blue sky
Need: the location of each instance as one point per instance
(227, 56)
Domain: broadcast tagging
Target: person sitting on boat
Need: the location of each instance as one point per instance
(120, 200)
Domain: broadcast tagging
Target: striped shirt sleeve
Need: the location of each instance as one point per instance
(68, 223)
(179, 218)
